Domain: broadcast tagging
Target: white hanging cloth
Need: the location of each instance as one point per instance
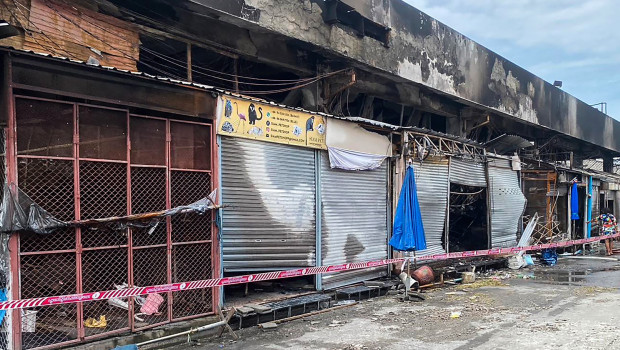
(351, 147)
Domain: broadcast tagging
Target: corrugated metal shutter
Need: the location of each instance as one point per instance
(354, 221)
(270, 189)
(467, 173)
(431, 178)
(507, 203)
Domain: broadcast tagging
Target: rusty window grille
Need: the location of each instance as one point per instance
(81, 161)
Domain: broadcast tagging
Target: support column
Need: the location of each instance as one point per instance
(608, 164)
(318, 217)
(616, 207)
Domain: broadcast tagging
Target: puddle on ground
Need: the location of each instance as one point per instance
(563, 277)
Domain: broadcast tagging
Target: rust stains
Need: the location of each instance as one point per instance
(78, 33)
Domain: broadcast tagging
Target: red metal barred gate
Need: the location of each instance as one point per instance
(80, 161)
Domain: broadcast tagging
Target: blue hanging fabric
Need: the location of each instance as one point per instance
(574, 202)
(408, 232)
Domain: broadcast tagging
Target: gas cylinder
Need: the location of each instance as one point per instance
(424, 275)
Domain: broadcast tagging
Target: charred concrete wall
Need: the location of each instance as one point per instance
(424, 51)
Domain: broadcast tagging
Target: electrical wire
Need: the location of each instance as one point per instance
(197, 67)
(17, 5)
(172, 61)
(248, 92)
(104, 42)
(29, 33)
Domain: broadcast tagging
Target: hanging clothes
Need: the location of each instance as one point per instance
(574, 202)
(408, 233)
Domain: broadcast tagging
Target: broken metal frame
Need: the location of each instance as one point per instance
(422, 145)
(550, 178)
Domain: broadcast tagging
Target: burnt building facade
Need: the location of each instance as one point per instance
(115, 108)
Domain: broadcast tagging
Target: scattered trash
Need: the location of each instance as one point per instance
(528, 259)
(345, 302)
(468, 277)
(29, 321)
(516, 262)
(455, 314)
(119, 303)
(151, 305)
(409, 282)
(549, 257)
(314, 323)
(92, 323)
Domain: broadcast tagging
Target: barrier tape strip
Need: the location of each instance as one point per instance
(226, 281)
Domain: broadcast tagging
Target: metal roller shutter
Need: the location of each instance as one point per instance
(270, 189)
(467, 173)
(507, 203)
(431, 178)
(354, 221)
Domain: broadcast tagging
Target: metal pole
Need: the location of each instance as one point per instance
(11, 177)
(489, 203)
(193, 330)
(447, 223)
(189, 62)
(589, 206)
(318, 217)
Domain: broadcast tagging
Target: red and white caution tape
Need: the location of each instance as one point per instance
(226, 281)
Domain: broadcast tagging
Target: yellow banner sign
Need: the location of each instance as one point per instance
(253, 120)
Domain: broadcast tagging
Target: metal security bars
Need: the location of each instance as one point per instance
(82, 161)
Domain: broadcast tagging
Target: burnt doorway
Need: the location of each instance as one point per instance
(468, 218)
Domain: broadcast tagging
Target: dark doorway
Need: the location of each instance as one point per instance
(468, 218)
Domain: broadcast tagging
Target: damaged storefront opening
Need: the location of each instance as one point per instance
(468, 218)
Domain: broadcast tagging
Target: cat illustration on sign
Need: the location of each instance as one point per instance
(252, 114)
(228, 109)
(310, 124)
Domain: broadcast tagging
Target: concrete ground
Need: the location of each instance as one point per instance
(573, 305)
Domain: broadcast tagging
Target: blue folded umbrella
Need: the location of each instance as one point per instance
(574, 202)
(408, 232)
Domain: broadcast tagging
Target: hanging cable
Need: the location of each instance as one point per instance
(17, 5)
(249, 92)
(29, 33)
(198, 67)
